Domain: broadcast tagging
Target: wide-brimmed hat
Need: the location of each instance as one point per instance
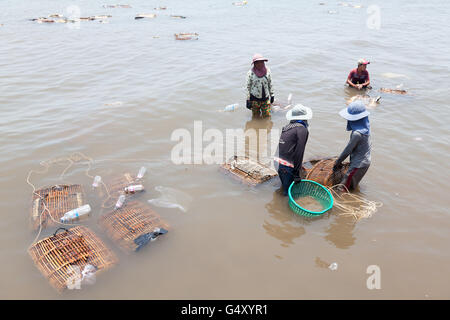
(355, 111)
(363, 61)
(258, 57)
(299, 112)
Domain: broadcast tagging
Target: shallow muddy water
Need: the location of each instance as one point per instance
(117, 91)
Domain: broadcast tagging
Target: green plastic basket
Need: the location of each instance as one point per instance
(312, 189)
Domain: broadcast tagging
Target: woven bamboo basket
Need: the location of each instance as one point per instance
(58, 199)
(56, 256)
(322, 172)
(128, 223)
(117, 185)
(248, 170)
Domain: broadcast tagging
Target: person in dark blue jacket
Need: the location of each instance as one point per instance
(292, 146)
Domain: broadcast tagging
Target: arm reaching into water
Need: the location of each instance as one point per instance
(354, 140)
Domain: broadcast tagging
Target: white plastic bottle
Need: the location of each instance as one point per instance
(289, 99)
(76, 213)
(141, 172)
(231, 107)
(97, 180)
(135, 188)
(120, 201)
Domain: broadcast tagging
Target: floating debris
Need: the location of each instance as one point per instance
(102, 17)
(56, 15)
(368, 101)
(145, 15)
(333, 266)
(332, 12)
(186, 36)
(45, 20)
(231, 107)
(160, 8)
(395, 91)
(321, 3)
(178, 17)
(114, 104)
(418, 139)
(240, 4)
(171, 198)
(116, 6)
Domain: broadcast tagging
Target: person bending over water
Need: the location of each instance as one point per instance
(358, 78)
(359, 145)
(260, 94)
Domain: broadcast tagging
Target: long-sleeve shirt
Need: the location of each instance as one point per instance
(359, 150)
(292, 145)
(259, 88)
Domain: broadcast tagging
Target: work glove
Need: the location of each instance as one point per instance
(272, 99)
(249, 105)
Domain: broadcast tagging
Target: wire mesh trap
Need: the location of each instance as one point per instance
(248, 170)
(321, 171)
(133, 225)
(50, 204)
(57, 257)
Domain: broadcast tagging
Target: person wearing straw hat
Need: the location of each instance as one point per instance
(292, 145)
(359, 146)
(260, 94)
(358, 78)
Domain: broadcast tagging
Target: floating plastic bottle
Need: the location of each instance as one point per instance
(120, 201)
(76, 213)
(333, 266)
(135, 188)
(141, 172)
(231, 107)
(289, 98)
(96, 182)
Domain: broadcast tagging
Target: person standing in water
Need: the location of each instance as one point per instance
(359, 145)
(358, 78)
(292, 146)
(260, 94)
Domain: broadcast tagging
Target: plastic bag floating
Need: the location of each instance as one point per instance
(133, 226)
(63, 258)
(56, 201)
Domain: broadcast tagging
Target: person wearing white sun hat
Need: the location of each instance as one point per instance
(292, 145)
(359, 146)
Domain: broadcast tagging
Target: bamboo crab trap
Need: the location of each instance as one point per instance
(321, 171)
(57, 256)
(116, 187)
(248, 170)
(131, 225)
(186, 36)
(52, 203)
